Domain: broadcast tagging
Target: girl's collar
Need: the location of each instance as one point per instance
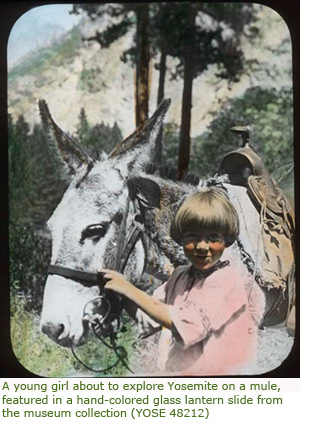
(196, 273)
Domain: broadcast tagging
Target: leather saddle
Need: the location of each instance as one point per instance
(275, 258)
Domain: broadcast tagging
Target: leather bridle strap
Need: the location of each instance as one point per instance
(85, 278)
(120, 242)
(136, 233)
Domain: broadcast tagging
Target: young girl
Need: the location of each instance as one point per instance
(208, 325)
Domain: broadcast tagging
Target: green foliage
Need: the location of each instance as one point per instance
(269, 114)
(122, 19)
(98, 138)
(113, 33)
(83, 129)
(32, 348)
(97, 356)
(20, 167)
(35, 184)
(170, 145)
(169, 30)
(41, 356)
(30, 253)
(50, 182)
(174, 30)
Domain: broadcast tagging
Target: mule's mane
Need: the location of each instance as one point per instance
(169, 173)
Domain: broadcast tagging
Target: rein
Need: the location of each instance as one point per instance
(88, 279)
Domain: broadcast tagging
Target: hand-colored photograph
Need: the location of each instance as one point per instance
(151, 190)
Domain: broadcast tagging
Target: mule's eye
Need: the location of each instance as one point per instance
(94, 232)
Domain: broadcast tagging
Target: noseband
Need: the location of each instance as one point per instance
(85, 278)
(113, 302)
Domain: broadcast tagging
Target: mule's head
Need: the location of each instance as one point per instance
(86, 225)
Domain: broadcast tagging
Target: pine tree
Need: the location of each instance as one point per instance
(20, 165)
(174, 29)
(83, 129)
(199, 46)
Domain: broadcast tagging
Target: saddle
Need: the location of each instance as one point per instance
(275, 253)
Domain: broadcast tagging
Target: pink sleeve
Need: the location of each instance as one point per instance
(212, 308)
(146, 325)
(191, 323)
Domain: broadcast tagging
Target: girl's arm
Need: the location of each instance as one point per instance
(156, 309)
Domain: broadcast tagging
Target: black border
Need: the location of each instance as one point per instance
(9, 14)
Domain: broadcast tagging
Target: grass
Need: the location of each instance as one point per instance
(32, 349)
(42, 357)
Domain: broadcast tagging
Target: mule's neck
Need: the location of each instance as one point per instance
(163, 253)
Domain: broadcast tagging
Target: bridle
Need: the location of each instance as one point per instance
(123, 251)
(103, 326)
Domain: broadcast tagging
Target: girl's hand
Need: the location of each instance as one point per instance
(115, 281)
(156, 309)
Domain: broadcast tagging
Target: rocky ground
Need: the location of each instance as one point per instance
(275, 345)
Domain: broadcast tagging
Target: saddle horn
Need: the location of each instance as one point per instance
(243, 131)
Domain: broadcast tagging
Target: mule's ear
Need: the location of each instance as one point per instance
(137, 149)
(146, 191)
(71, 154)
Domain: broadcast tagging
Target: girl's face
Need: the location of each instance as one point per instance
(202, 249)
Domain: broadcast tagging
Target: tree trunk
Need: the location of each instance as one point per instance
(160, 97)
(142, 65)
(188, 57)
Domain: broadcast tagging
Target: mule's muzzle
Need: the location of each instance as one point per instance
(55, 331)
(59, 334)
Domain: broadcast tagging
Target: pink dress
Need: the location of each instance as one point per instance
(215, 322)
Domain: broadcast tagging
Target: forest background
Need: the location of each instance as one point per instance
(221, 64)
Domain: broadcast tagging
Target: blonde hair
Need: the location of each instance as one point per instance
(209, 210)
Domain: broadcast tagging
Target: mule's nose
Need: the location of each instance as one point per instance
(53, 330)
(59, 333)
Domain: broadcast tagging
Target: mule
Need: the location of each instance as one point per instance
(105, 201)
